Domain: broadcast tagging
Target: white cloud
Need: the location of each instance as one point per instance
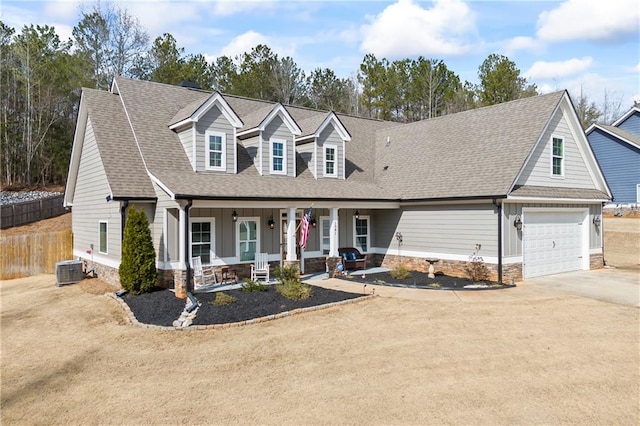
(63, 9)
(521, 43)
(551, 70)
(233, 7)
(589, 19)
(243, 43)
(405, 29)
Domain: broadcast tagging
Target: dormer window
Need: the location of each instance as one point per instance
(216, 147)
(278, 157)
(557, 157)
(330, 168)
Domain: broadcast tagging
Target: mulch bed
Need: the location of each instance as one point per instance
(162, 307)
(422, 280)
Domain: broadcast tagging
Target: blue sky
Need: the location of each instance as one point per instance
(570, 44)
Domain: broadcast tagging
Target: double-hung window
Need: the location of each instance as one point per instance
(557, 157)
(216, 145)
(278, 157)
(103, 229)
(361, 233)
(248, 238)
(202, 239)
(325, 230)
(330, 166)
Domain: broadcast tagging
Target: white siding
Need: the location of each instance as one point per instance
(214, 121)
(276, 129)
(90, 205)
(538, 169)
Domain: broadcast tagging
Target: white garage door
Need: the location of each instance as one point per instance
(553, 243)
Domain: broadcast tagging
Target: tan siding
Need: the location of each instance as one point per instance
(90, 205)
(276, 129)
(330, 135)
(538, 168)
(214, 121)
(440, 229)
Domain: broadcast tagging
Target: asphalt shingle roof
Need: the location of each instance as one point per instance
(635, 140)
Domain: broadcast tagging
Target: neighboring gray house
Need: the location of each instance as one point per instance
(224, 177)
(617, 149)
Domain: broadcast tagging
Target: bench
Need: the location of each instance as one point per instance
(352, 258)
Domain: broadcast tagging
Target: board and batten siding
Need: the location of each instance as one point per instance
(513, 238)
(445, 229)
(330, 136)
(620, 164)
(214, 121)
(631, 124)
(90, 206)
(537, 171)
(276, 129)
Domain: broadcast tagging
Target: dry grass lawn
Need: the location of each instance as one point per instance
(622, 241)
(69, 356)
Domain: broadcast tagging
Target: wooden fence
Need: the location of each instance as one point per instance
(33, 254)
(31, 211)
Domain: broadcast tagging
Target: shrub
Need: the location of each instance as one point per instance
(250, 286)
(400, 272)
(138, 264)
(223, 299)
(284, 273)
(294, 289)
(476, 269)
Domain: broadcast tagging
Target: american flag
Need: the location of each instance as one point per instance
(304, 230)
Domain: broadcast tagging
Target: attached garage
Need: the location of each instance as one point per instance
(554, 242)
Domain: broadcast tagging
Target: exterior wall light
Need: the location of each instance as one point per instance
(313, 222)
(356, 215)
(597, 221)
(518, 223)
(234, 216)
(271, 223)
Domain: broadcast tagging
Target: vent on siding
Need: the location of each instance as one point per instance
(69, 272)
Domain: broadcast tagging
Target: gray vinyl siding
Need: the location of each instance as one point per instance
(214, 121)
(90, 205)
(185, 134)
(252, 145)
(513, 237)
(276, 129)
(450, 229)
(330, 136)
(171, 240)
(307, 153)
(538, 168)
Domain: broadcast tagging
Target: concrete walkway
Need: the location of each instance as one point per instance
(619, 286)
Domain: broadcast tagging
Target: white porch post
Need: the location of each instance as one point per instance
(291, 234)
(182, 237)
(333, 232)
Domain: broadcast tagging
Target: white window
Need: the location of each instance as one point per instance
(216, 148)
(361, 233)
(325, 237)
(202, 239)
(330, 160)
(248, 231)
(103, 229)
(557, 156)
(278, 157)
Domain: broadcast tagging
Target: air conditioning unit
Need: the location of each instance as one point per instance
(69, 272)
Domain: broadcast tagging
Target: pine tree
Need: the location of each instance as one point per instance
(138, 265)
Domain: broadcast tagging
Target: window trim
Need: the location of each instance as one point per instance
(106, 236)
(212, 243)
(207, 151)
(325, 147)
(637, 193)
(562, 157)
(368, 235)
(273, 141)
(247, 219)
(321, 219)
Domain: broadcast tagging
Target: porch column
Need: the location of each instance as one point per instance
(182, 238)
(333, 232)
(291, 234)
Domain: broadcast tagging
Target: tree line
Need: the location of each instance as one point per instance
(41, 77)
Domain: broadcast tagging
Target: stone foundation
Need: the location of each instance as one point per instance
(596, 261)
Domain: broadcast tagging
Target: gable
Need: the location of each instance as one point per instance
(630, 122)
(215, 122)
(579, 168)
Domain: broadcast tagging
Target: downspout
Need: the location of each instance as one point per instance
(186, 245)
(123, 218)
(499, 206)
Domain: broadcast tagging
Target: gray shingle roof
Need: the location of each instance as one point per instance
(635, 140)
(473, 153)
(531, 191)
(123, 165)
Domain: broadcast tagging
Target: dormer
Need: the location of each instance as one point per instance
(269, 136)
(207, 130)
(323, 149)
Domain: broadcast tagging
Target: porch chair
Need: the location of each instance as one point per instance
(260, 268)
(202, 276)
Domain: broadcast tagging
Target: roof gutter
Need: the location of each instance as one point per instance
(382, 200)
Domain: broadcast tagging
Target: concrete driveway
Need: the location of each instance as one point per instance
(619, 286)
